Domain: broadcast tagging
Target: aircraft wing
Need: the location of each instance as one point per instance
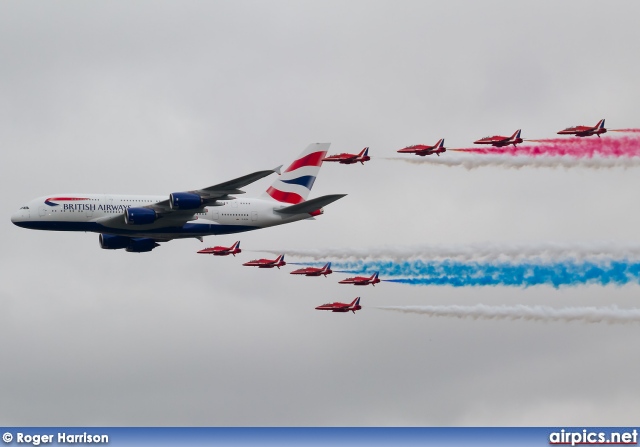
(168, 217)
(231, 187)
(221, 191)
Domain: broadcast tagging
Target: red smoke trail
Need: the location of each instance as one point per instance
(588, 147)
(625, 130)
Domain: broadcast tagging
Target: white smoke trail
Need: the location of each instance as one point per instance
(473, 252)
(611, 315)
(474, 161)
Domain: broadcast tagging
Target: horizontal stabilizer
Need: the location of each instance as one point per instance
(310, 205)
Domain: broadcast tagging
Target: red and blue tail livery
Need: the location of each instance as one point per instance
(294, 185)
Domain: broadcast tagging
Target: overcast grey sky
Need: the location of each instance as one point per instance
(153, 97)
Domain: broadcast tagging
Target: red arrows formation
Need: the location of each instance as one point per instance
(306, 271)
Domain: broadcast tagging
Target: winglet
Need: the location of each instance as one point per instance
(277, 170)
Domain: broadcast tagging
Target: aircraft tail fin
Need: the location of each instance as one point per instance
(355, 305)
(440, 143)
(600, 124)
(516, 135)
(364, 152)
(295, 183)
(279, 259)
(375, 275)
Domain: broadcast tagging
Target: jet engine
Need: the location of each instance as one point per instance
(185, 201)
(131, 244)
(112, 242)
(141, 244)
(139, 216)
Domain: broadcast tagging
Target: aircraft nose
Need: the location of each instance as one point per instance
(18, 218)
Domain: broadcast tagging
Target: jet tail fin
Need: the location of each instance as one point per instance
(600, 124)
(364, 152)
(355, 305)
(440, 143)
(295, 183)
(516, 135)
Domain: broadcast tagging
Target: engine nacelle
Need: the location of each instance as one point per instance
(139, 216)
(184, 201)
(131, 244)
(112, 242)
(141, 244)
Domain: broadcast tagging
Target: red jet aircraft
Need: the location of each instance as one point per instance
(267, 263)
(425, 149)
(585, 131)
(222, 251)
(348, 159)
(362, 280)
(314, 271)
(342, 307)
(499, 140)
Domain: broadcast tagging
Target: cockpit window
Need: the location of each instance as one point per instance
(24, 208)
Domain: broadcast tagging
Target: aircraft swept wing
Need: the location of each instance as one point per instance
(181, 207)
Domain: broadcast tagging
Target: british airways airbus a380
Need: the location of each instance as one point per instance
(139, 223)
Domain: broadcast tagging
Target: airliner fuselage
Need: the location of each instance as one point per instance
(85, 212)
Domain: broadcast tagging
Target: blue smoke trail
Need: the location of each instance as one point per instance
(524, 274)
